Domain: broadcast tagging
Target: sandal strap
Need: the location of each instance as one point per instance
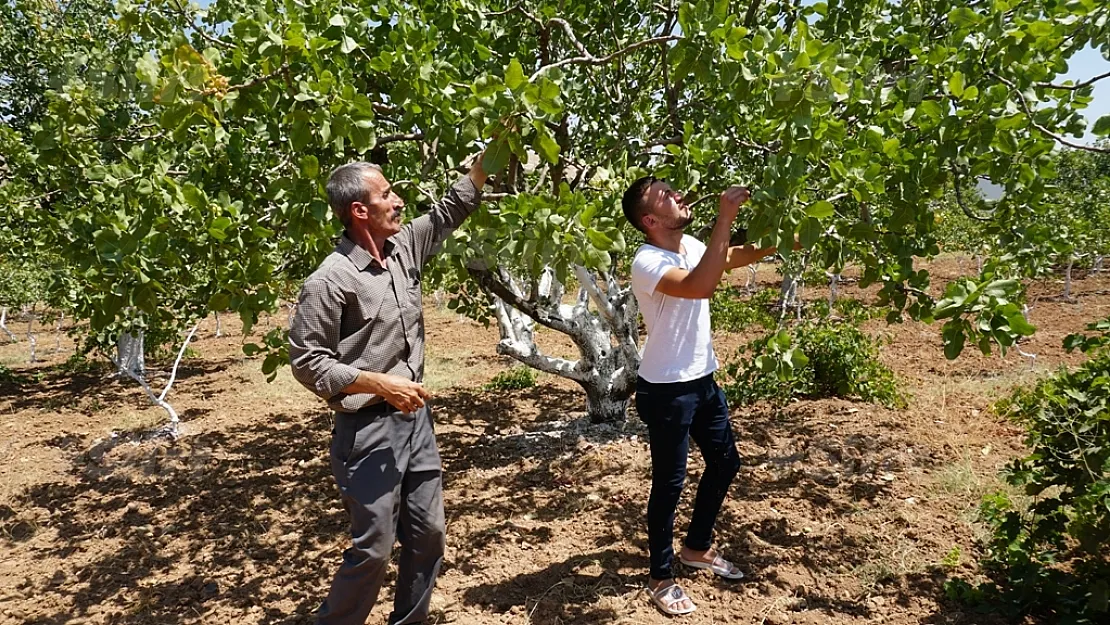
(670, 594)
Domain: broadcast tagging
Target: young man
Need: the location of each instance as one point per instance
(673, 277)
(357, 341)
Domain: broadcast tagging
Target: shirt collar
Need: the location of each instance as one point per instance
(359, 256)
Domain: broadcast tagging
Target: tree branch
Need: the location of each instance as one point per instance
(492, 284)
(259, 80)
(1029, 113)
(594, 60)
(749, 18)
(412, 136)
(1077, 86)
(960, 197)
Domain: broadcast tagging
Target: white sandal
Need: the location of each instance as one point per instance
(719, 566)
(667, 597)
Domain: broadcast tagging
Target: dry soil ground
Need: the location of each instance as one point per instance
(843, 513)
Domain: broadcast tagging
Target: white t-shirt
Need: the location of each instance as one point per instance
(679, 346)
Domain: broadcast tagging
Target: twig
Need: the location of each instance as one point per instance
(1075, 87)
(593, 60)
(1029, 113)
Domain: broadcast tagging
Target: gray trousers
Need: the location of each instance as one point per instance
(388, 470)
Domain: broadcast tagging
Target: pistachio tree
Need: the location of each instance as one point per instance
(178, 159)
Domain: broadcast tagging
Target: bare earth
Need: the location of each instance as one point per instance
(844, 512)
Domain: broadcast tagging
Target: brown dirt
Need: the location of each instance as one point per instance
(844, 512)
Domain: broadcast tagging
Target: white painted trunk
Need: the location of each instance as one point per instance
(31, 338)
(58, 334)
(1067, 279)
(4, 324)
(749, 284)
(606, 337)
(834, 285)
(31, 334)
(219, 326)
(129, 354)
(790, 295)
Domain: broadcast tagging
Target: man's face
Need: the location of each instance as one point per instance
(381, 213)
(666, 208)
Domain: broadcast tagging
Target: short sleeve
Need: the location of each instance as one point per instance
(648, 268)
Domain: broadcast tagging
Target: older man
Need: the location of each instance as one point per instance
(357, 341)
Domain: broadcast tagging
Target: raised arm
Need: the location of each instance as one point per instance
(431, 230)
(701, 281)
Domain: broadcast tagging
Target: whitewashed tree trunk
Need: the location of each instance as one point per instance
(1097, 266)
(140, 377)
(219, 326)
(292, 310)
(1067, 279)
(606, 338)
(834, 286)
(31, 335)
(58, 334)
(979, 263)
(749, 284)
(4, 324)
(789, 296)
(129, 354)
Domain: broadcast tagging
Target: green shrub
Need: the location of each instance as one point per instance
(812, 360)
(512, 380)
(1051, 558)
(9, 376)
(731, 311)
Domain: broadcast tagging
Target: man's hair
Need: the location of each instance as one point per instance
(633, 203)
(347, 185)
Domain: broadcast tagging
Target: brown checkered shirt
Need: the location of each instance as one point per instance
(355, 315)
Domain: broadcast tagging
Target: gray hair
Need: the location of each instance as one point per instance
(346, 185)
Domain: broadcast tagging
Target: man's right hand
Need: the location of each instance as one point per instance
(731, 200)
(401, 393)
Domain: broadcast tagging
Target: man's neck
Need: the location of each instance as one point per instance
(374, 245)
(670, 240)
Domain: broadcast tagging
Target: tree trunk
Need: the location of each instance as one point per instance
(58, 334)
(605, 408)
(31, 335)
(129, 354)
(4, 325)
(606, 339)
(1067, 279)
(219, 326)
(834, 284)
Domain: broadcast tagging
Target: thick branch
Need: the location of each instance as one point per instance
(495, 286)
(529, 355)
(749, 18)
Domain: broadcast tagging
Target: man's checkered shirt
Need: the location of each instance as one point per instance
(355, 315)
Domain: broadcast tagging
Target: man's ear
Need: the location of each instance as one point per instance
(359, 211)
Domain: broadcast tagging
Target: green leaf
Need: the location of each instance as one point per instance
(820, 210)
(963, 17)
(600, 240)
(545, 144)
(1019, 325)
(1102, 126)
(956, 84)
(310, 167)
(514, 76)
(809, 232)
(496, 156)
